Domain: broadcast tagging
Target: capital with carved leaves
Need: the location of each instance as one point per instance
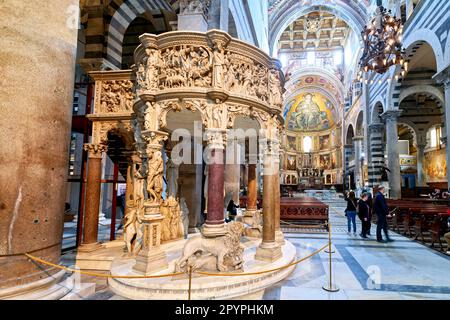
(95, 150)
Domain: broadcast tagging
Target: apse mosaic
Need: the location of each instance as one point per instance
(310, 112)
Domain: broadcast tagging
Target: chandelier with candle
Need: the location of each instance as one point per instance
(382, 44)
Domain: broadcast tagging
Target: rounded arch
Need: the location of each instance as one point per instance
(350, 134)
(447, 54)
(412, 44)
(411, 127)
(128, 11)
(427, 89)
(428, 36)
(377, 110)
(340, 9)
(359, 125)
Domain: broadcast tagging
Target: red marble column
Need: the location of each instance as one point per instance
(252, 193)
(93, 190)
(215, 216)
(270, 249)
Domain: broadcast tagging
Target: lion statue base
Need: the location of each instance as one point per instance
(223, 254)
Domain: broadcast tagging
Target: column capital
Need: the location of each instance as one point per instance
(155, 139)
(95, 150)
(391, 115)
(216, 138)
(376, 128)
(421, 146)
(443, 77)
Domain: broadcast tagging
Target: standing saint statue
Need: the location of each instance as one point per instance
(155, 174)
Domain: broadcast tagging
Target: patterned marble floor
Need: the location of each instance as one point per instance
(364, 269)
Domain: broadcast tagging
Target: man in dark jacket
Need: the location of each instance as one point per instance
(382, 211)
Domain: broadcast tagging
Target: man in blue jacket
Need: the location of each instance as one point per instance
(382, 210)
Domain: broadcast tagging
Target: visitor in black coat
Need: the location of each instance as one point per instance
(364, 214)
(382, 211)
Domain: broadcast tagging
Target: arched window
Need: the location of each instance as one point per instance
(307, 144)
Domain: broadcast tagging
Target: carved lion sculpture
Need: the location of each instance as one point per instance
(226, 251)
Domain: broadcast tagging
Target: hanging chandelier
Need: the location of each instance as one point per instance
(382, 44)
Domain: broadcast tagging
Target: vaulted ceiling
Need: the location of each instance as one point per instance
(316, 30)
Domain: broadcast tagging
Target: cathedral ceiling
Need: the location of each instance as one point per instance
(315, 30)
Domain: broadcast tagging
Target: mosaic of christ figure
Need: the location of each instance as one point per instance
(308, 116)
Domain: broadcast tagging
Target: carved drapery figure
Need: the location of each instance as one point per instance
(152, 112)
(116, 96)
(172, 225)
(155, 172)
(216, 116)
(219, 61)
(276, 95)
(186, 66)
(133, 232)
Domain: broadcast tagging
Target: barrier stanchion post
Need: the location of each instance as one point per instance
(330, 248)
(330, 287)
(190, 283)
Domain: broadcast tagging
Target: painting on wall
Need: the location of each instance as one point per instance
(324, 142)
(310, 112)
(325, 162)
(292, 143)
(291, 163)
(435, 166)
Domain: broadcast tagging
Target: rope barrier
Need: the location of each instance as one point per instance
(177, 274)
(100, 275)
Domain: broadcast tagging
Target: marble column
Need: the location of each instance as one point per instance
(420, 157)
(348, 151)
(93, 191)
(357, 145)
(37, 63)
(232, 172)
(270, 249)
(409, 8)
(215, 223)
(252, 191)
(395, 189)
(444, 78)
(376, 160)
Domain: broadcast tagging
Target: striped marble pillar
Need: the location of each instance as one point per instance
(376, 160)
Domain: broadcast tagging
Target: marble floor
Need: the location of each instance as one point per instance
(362, 269)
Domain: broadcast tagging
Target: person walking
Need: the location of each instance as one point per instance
(364, 214)
(370, 204)
(350, 212)
(382, 211)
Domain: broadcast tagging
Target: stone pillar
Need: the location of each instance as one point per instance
(420, 157)
(269, 250)
(348, 150)
(93, 190)
(215, 223)
(172, 178)
(357, 143)
(391, 117)
(376, 160)
(35, 121)
(252, 191)
(279, 236)
(444, 78)
(409, 8)
(193, 15)
(151, 258)
(232, 172)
